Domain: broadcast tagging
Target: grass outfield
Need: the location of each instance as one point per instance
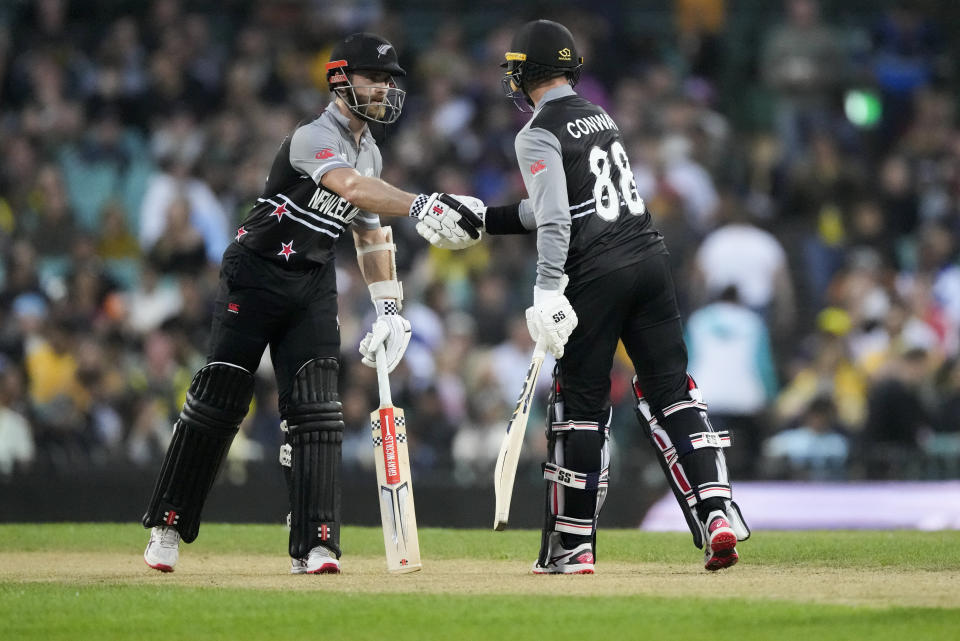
(88, 581)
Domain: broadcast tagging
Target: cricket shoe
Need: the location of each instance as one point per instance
(319, 561)
(163, 549)
(579, 560)
(721, 542)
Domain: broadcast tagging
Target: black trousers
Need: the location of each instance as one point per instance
(260, 303)
(636, 304)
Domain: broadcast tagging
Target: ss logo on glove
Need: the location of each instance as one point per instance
(559, 316)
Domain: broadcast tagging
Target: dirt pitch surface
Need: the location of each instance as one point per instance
(873, 587)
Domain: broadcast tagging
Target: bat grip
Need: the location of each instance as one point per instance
(540, 349)
(383, 379)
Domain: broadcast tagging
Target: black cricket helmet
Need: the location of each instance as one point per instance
(366, 52)
(541, 49)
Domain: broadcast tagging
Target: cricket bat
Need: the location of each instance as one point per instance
(394, 486)
(506, 470)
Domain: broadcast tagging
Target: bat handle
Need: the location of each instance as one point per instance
(383, 379)
(540, 349)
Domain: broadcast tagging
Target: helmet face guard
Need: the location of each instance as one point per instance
(512, 81)
(364, 106)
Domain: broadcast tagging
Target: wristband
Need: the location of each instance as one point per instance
(504, 220)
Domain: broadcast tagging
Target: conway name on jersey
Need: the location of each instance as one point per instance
(297, 220)
(590, 218)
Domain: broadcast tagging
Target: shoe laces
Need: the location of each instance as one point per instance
(169, 538)
(321, 552)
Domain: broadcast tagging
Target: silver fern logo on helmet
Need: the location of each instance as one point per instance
(383, 49)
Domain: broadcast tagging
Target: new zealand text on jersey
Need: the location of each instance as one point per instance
(590, 125)
(330, 204)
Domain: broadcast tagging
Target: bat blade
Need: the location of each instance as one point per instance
(505, 472)
(397, 514)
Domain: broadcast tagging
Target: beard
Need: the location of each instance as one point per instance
(376, 110)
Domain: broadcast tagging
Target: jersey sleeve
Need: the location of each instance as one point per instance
(315, 150)
(527, 217)
(541, 164)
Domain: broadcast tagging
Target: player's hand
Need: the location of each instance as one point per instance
(449, 222)
(390, 330)
(551, 317)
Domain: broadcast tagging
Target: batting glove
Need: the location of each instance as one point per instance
(390, 330)
(552, 318)
(449, 222)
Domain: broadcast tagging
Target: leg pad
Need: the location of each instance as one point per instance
(217, 401)
(314, 435)
(690, 453)
(577, 472)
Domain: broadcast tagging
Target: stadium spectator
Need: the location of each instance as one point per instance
(898, 419)
(732, 362)
(17, 449)
(803, 63)
(815, 449)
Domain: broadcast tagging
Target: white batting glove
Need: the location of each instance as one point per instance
(551, 317)
(390, 330)
(449, 222)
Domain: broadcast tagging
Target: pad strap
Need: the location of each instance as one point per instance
(576, 480)
(570, 525)
(577, 426)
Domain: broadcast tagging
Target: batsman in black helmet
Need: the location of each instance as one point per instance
(593, 227)
(278, 289)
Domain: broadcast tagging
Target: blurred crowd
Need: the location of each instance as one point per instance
(806, 179)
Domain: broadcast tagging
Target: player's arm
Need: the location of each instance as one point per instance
(516, 218)
(376, 255)
(541, 164)
(551, 319)
(368, 193)
(315, 151)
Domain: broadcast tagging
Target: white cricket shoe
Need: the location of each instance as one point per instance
(319, 561)
(163, 549)
(560, 560)
(298, 566)
(720, 548)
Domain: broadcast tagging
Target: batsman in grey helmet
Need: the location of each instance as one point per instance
(594, 228)
(278, 289)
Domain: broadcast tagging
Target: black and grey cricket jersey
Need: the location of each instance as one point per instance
(583, 199)
(297, 220)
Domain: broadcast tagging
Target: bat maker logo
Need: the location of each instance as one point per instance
(388, 432)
